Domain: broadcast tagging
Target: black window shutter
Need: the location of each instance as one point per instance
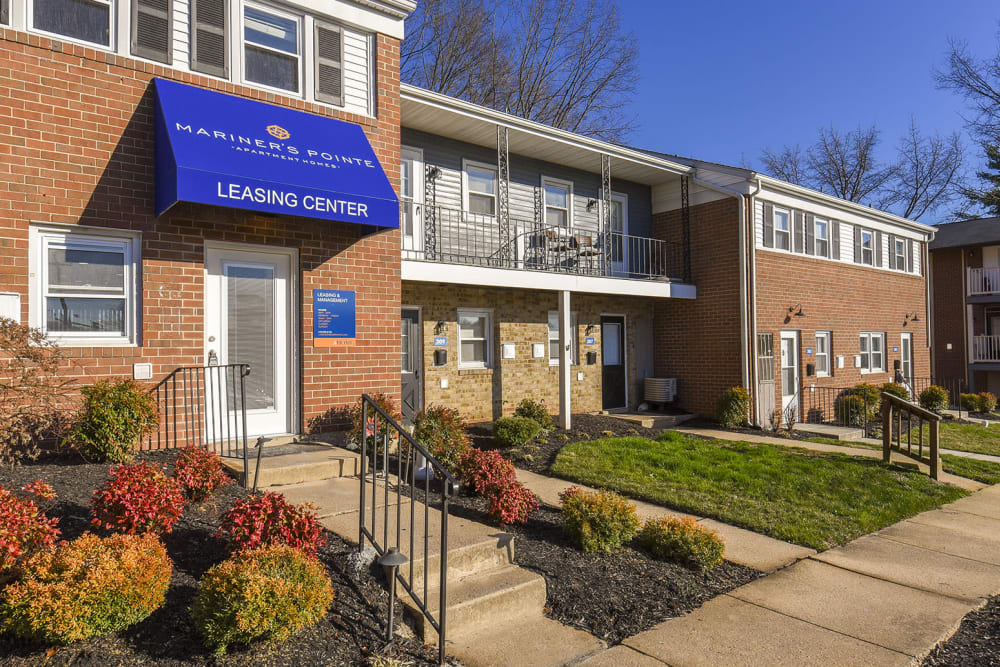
(892, 251)
(209, 43)
(152, 29)
(909, 255)
(329, 63)
(857, 244)
(768, 225)
(797, 226)
(877, 240)
(810, 234)
(834, 240)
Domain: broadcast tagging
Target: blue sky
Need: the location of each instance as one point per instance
(724, 79)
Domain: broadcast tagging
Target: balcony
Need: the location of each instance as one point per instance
(985, 349)
(450, 236)
(983, 281)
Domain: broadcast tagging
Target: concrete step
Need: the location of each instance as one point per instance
(530, 641)
(829, 431)
(282, 465)
(340, 495)
(482, 599)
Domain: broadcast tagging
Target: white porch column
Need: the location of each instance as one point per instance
(565, 360)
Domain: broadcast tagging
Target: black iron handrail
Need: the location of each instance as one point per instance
(821, 404)
(205, 406)
(380, 433)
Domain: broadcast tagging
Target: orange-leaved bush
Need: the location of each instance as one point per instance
(598, 520)
(492, 476)
(683, 540)
(86, 588)
(199, 472)
(263, 520)
(24, 528)
(138, 498)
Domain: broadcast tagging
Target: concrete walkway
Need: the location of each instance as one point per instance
(886, 599)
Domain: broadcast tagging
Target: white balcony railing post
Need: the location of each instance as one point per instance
(983, 280)
(986, 348)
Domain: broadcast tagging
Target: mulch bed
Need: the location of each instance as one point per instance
(612, 596)
(977, 641)
(351, 632)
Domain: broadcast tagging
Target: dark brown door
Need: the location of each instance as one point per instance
(613, 361)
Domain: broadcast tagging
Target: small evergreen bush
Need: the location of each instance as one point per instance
(24, 528)
(138, 498)
(441, 431)
(116, 414)
(269, 519)
(987, 402)
(514, 431)
(86, 588)
(934, 398)
(897, 390)
(269, 593)
(535, 411)
(683, 541)
(733, 408)
(851, 410)
(376, 434)
(598, 520)
(969, 402)
(199, 472)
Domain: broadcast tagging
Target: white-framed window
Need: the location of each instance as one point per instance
(872, 349)
(86, 21)
(480, 188)
(782, 229)
(867, 247)
(475, 338)
(823, 353)
(554, 339)
(899, 254)
(558, 196)
(272, 48)
(83, 286)
(821, 232)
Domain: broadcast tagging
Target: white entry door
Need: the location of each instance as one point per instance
(248, 297)
(906, 357)
(789, 374)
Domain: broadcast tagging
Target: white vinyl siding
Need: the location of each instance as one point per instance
(358, 67)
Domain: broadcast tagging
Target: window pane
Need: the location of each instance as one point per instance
(70, 268)
(272, 69)
(405, 179)
(250, 328)
(555, 217)
(617, 216)
(64, 314)
(472, 326)
(482, 204)
(267, 29)
(554, 349)
(821, 345)
(820, 230)
(788, 380)
(821, 364)
(876, 343)
(866, 240)
(79, 19)
(473, 351)
(781, 220)
(556, 195)
(781, 240)
(481, 180)
(405, 339)
(821, 248)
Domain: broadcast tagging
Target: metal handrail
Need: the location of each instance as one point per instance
(382, 429)
(893, 410)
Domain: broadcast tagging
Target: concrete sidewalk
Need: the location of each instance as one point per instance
(886, 598)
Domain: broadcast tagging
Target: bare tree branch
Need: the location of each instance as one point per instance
(926, 173)
(978, 81)
(788, 165)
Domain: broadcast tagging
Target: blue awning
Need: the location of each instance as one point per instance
(213, 148)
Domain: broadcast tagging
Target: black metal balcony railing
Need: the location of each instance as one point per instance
(438, 234)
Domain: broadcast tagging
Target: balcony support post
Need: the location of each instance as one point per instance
(503, 195)
(431, 173)
(565, 361)
(686, 227)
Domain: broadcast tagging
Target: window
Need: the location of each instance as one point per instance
(83, 20)
(558, 195)
(554, 339)
(271, 48)
(823, 353)
(872, 349)
(867, 247)
(782, 231)
(152, 29)
(84, 286)
(481, 188)
(474, 338)
(899, 254)
(821, 228)
(765, 357)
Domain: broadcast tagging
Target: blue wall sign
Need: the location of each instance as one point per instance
(334, 322)
(809, 350)
(589, 340)
(895, 348)
(440, 340)
(219, 149)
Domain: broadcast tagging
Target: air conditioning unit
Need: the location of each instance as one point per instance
(659, 390)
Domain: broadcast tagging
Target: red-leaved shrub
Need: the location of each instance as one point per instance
(263, 520)
(492, 476)
(138, 499)
(24, 528)
(199, 472)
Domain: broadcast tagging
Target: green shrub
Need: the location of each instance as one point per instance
(851, 410)
(535, 411)
(376, 433)
(684, 541)
(733, 408)
(598, 520)
(441, 431)
(268, 593)
(116, 415)
(934, 398)
(871, 394)
(86, 588)
(514, 431)
(987, 402)
(969, 402)
(897, 390)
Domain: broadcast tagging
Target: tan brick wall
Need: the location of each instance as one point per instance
(519, 317)
(77, 146)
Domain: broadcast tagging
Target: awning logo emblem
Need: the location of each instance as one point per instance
(278, 132)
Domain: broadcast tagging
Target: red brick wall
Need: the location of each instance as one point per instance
(77, 145)
(948, 281)
(698, 341)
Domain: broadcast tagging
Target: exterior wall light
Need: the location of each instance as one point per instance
(440, 327)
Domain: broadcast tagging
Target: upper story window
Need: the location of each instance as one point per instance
(782, 229)
(82, 20)
(558, 198)
(481, 188)
(899, 254)
(867, 239)
(271, 48)
(821, 230)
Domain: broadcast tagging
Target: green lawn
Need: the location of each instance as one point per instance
(969, 438)
(814, 499)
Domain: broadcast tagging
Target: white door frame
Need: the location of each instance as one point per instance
(787, 399)
(414, 245)
(625, 340)
(293, 370)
